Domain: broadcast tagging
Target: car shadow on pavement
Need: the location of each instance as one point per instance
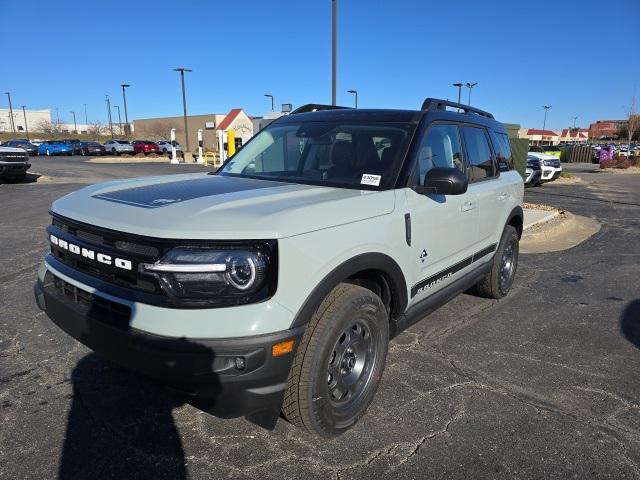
(120, 425)
(630, 322)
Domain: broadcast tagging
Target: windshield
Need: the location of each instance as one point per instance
(364, 155)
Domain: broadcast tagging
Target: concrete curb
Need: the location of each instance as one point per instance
(548, 215)
(569, 231)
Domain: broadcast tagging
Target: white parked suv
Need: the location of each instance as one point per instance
(550, 164)
(275, 283)
(118, 147)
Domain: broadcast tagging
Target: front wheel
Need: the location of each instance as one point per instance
(339, 364)
(498, 282)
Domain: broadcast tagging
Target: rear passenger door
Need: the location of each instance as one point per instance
(484, 183)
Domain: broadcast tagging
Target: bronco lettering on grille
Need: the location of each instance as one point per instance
(90, 254)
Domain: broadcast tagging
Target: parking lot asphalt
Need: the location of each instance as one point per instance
(541, 384)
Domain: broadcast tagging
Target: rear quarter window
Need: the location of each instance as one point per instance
(502, 147)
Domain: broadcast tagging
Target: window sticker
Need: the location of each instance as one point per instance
(368, 179)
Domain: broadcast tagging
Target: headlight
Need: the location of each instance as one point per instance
(215, 275)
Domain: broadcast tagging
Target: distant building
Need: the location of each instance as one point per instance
(34, 119)
(579, 135)
(539, 137)
(606, 129)
(160, 128)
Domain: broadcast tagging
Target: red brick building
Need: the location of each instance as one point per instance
(606, 128)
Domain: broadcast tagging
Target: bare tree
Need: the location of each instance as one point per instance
(633, 122)
(154, 131)
(49, 127)
(95, 129)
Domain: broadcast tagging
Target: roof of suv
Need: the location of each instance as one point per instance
(390, 116)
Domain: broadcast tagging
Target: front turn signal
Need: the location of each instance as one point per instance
(282, 348)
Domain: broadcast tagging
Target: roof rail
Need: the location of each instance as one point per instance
(437, 104)
(315, 107)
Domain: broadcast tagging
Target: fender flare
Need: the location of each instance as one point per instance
(366, 261)
(516, 212)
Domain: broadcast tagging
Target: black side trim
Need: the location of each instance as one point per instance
(424, 307)
(407, 227)
(367, 261)
(447, 272)
(516, 212)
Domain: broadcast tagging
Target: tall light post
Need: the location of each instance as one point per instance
(124, 100)
(470, 87)
(355, 92)
(334, 48)
(459, 87)
(268, 95)
(184, 105)
(24, 113)
(86, 119)
(75, 125)
(13, 124)
(119, 119)
(544, 124)
(58, 115)
(109, 113)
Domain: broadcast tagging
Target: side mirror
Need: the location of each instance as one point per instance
(444, 181)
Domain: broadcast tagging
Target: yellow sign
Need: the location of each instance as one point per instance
(231, 143)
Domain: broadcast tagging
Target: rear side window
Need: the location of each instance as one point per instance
(478, 154)
(502, 147)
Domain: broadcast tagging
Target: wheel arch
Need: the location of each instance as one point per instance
(516, 220)
(366, 270)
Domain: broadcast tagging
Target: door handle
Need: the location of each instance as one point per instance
(503, 196)
(466, 206)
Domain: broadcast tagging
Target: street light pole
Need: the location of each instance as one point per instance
(119, 119)
(124, 99)
(184, 105)
(58, 115)
(470, 86)
(75, 125)
(459, 87)
(544, 124)
(334, 48)
(355, 92)
(24, 113)
(109, 112)
(270, 96)
(13, 124)
(86, 120)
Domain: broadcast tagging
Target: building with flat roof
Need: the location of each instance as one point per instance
(160, 128)
(34, 119)
(606, 129)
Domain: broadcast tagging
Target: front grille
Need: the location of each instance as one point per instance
(109, 243)
(93, 306)
(14, 156)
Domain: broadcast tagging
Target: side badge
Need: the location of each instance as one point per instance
(423, 255)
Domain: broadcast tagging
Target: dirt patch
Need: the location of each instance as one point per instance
(560, 233)
(538, 206)
(630, 170)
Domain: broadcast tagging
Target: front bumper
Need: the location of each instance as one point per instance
(10, 169)
(205, 369)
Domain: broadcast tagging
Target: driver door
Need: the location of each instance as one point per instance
(444, 227)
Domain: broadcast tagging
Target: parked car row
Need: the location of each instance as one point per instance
(74, 146)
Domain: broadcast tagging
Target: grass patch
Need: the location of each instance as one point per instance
(566, 175)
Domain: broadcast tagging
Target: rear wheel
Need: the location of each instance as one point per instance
(339, 364)
(498, 282)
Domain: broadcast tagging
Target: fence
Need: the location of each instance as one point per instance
(577, 154)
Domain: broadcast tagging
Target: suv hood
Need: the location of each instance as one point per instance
(542, 156)
(202, 206)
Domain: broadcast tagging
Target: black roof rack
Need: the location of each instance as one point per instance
(315, 107)
(437, 104)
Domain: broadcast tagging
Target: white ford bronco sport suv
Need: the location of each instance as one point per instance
(275, 283)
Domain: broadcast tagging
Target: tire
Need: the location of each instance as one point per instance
(339, 363)
(497, 283)
(113, 152)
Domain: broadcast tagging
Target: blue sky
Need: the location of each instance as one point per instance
(581, 57)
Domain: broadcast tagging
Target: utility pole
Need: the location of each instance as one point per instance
(75, 125)
(24, 113)
(334, 48)
(470, 86)
(109, 112)
(184, 105)
(355, 92)
(272, 104)
(126, 116)
(544, 124)
(58, 115)
(459, 87)
(119, 119)
(86, 120)
(13, 123)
